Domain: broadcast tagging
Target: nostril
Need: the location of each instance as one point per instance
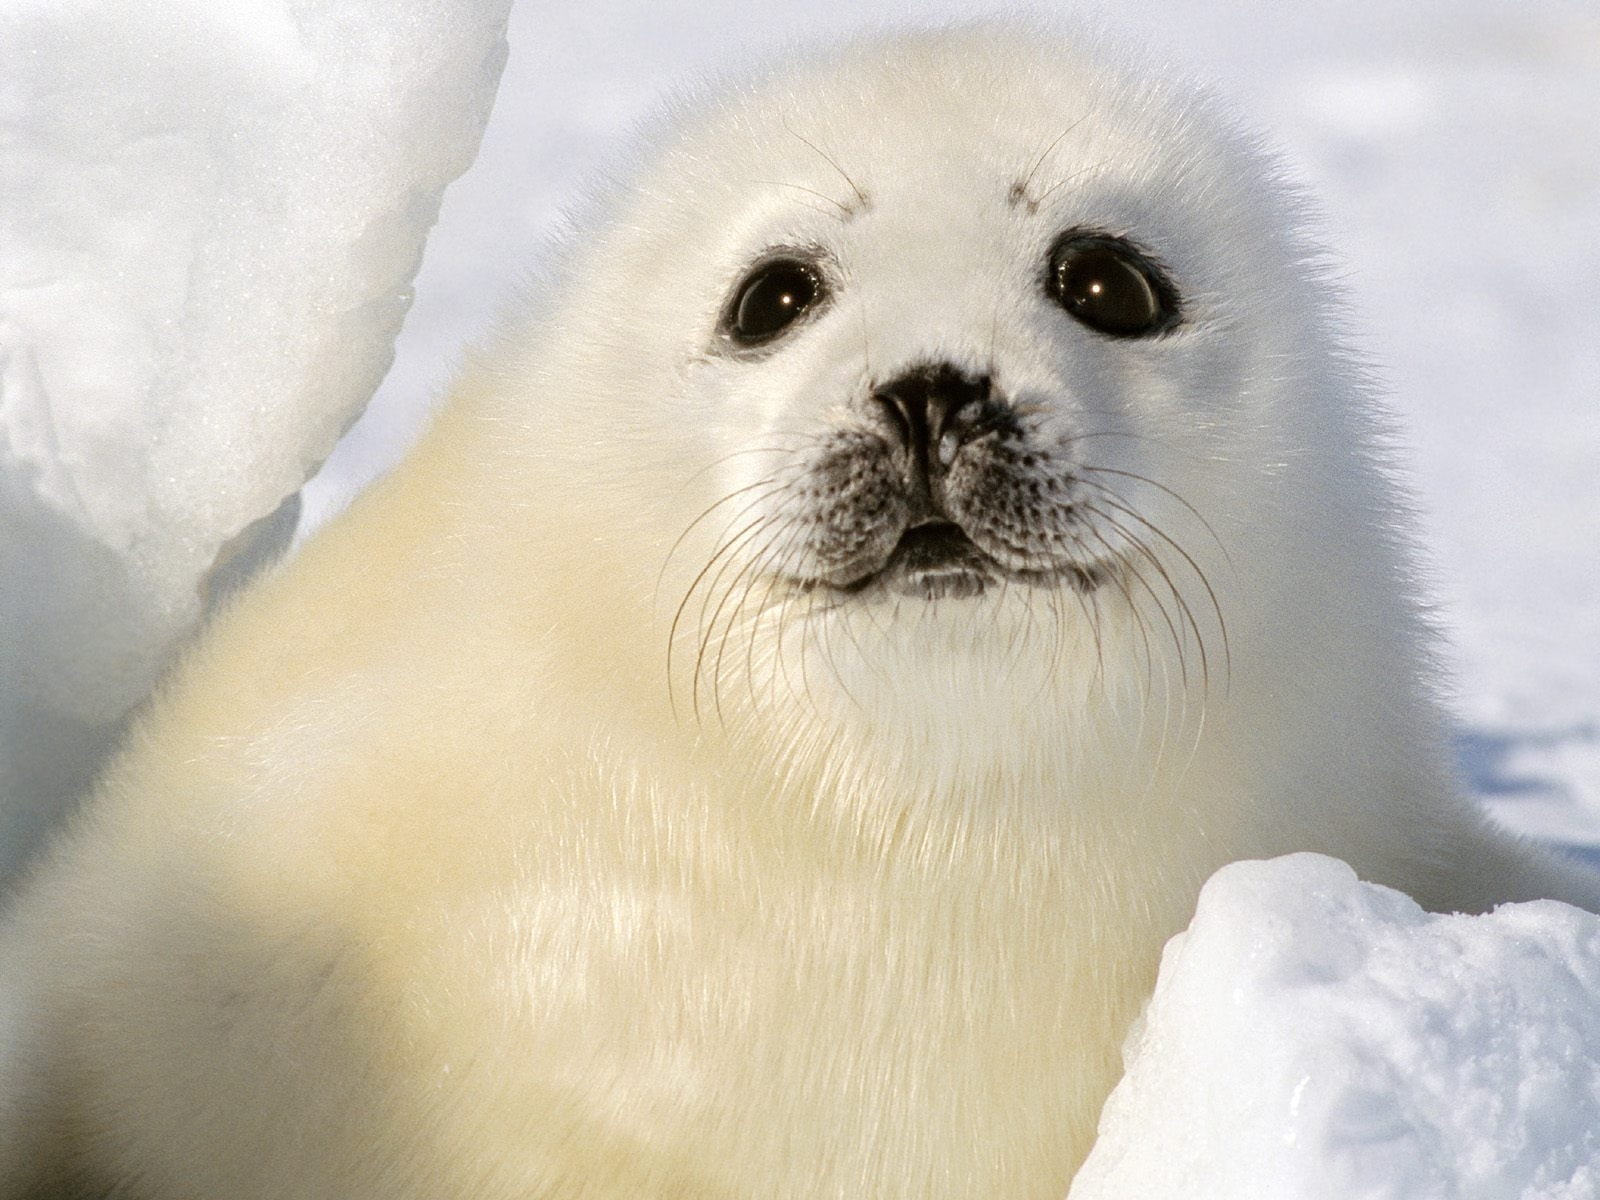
(899, 410)
(923, 403)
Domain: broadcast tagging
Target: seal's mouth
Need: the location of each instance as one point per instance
(936, 560)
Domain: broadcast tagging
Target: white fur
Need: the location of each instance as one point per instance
(419, 881)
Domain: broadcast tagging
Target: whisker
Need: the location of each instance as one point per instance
(1092, 617)
(708, 627)
(1134, 612)
(775, 579)
(1183, 605)
(1205, 582)
(748, 577)
(1021, 188)
(1221, 545)
(799, 439)
(1073, 178)
(780, 659)
(861, 197)
(770, 484)
(843, 208)
(1056, 627)
(727, 548)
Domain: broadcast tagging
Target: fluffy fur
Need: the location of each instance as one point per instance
(551, 826)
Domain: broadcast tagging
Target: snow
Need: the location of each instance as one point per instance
(1317, 1037)
(212, 215)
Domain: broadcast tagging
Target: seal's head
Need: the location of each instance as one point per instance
(967, 348)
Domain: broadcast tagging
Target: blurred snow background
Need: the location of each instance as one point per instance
(1455, 147)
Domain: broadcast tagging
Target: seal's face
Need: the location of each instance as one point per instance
(973, 344)
(943, 486)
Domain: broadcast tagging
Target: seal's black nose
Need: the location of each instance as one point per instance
(926, 402)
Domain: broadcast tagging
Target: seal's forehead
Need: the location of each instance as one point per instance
(991, 95)
(976, 145)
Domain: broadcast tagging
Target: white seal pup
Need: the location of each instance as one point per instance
(760, 741)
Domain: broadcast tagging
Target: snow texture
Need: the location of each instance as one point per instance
(212, 214)
(1324, 1039)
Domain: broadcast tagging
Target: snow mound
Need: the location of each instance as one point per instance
(1316, 1037)
(212, 214)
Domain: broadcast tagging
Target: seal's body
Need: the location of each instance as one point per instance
(759, 743)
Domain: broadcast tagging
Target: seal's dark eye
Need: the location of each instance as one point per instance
(1110, 287)
(770, 300)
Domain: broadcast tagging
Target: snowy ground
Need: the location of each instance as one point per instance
(1316, 1038)
(1455, 145)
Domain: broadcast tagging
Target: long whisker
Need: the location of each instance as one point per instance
(728, 542)
(1021, 189)
(708, 627)
(1187, 621)
(1152, 662)
(1092, 617)
(727, 548)
(747, 578)
(770, 484)
(844, 209)
(861, 196)
(1205, 582)
(1055, 626)
(1073, 178)
(1145, 479)
(689, 479)
(1137, 615)
(777, 576)
(1183, 605)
